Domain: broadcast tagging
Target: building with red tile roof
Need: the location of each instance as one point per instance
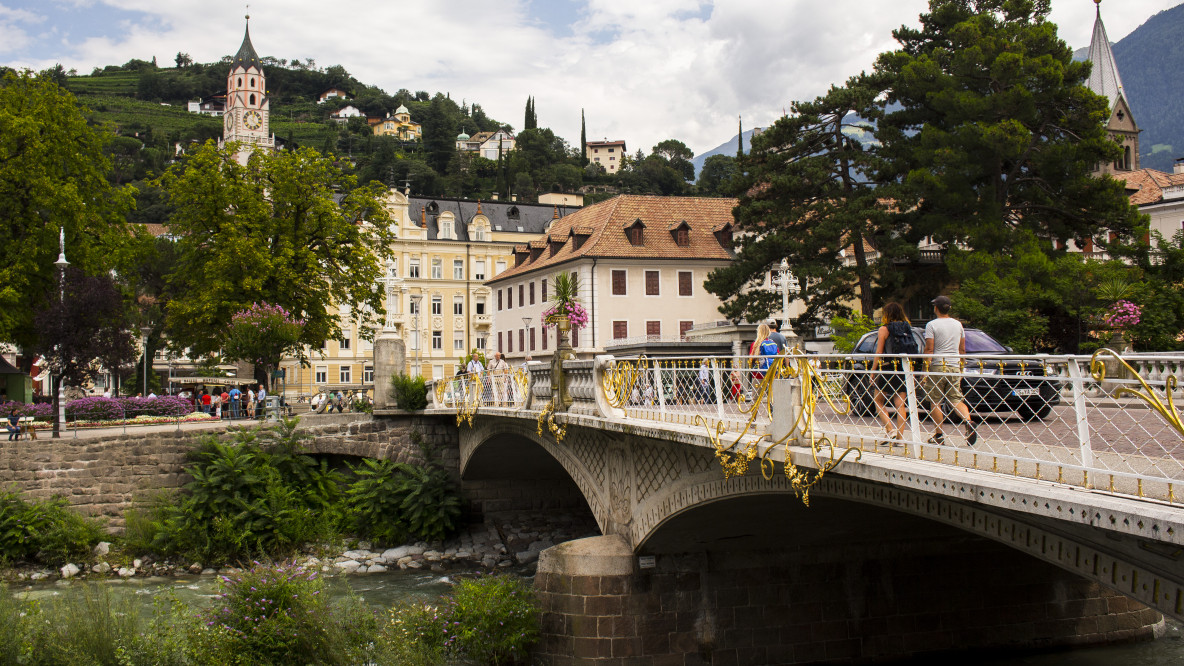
(641, 261)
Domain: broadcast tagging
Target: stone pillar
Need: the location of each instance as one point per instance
(390, 359)
(787, 406)
(589, 614)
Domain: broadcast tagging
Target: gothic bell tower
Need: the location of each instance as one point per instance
(247, 119)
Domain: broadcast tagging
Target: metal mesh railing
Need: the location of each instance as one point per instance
(471, 391)
(1095, 422)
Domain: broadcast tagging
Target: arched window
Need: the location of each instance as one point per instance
(252, 82)
(252, 100)
(240, 83)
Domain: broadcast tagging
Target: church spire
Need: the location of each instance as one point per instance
(1103, 78)
(246, 57)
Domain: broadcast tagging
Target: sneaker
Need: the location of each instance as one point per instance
(971, 434)
(938, 438)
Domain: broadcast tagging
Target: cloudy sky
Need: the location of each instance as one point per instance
(644, 70)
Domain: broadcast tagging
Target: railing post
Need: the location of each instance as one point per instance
(660, 389)
(1083, 437)
(719, 394)
(910, 387)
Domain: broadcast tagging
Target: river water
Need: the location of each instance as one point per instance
(385, 589)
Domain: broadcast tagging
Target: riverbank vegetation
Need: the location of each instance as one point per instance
(260, 496)
(274, 614)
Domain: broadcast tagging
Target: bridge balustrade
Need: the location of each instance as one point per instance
(1094, 422)
(1100, 422)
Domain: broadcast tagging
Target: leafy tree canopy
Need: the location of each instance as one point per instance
(53, 175)
(272, 231)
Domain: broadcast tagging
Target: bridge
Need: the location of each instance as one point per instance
(767, 517)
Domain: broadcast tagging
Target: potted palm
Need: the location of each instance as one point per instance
(565, 311)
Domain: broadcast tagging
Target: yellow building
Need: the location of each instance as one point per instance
(400, 125)
(438, 302)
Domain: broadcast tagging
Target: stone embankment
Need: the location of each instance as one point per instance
(503, 540)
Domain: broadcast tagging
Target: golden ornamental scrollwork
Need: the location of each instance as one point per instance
(735, 457)
(619, 380)
(521, 384)
(547, 418)
(441, 393)
(1165, 407)
(467, 394)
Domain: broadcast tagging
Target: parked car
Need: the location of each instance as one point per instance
(991, 388)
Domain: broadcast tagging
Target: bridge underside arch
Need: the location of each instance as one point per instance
(507, 467)
(766, 514)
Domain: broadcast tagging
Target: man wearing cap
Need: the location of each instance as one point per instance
(775, 336)
(945, 343)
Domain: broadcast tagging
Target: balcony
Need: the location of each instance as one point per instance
(482, 320)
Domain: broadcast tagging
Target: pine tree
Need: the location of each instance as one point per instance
(531, 120)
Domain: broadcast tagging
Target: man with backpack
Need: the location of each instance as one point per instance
(776, 336)
(945, 343)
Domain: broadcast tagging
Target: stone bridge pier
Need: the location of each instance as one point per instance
(693, 568)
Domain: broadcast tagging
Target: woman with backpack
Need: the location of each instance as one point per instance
(894, 337)
(764, 347)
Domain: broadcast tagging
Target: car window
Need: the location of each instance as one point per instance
(978, 342)
(867, 344)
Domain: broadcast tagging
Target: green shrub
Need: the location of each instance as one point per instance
(390, 501)
(847, 332)
(493, 619)
(48, 532)
(13, 626)
(410, 393)
(255, 496)
(275, 615)
(413, 635)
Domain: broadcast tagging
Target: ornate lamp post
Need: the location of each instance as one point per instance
(393, 284)
(415, 300)
(61, 263)
(144, 332)
(788, 283)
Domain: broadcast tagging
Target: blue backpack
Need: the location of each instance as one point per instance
(768, 351)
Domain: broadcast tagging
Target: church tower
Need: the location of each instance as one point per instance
(247, 106)
(1104, 80)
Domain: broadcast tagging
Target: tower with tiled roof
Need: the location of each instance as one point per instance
(248, 109)
(1105, 80)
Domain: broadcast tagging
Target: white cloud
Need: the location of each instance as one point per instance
(644, 70)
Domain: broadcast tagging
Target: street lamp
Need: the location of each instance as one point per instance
(61, 263)
(788, 283)
(415, 300)
(144, 331)
(526, 323)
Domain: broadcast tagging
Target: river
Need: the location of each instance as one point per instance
(383, 590)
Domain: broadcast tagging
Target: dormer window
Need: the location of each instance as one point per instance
(724, 236)
(681, 232)
(433, 207)
(512, 213)
(446, 229)
(636, 233)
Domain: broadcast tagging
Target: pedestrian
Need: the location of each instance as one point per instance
(893, 338)
(261, 407)
(339, 401)
(205, 401)
(500, 371)
(945, 344)
(224, 403)
(776, 336)
(765, 349)
(216, 404)
(14, 425)
(705, 388)
(250, 402)
(236, 397)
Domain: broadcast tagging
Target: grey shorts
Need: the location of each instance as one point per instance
(946, 386)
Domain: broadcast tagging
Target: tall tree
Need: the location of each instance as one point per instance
(53, 175)
(717, 174)
(583, 141)
(678, 155)
(272, 231)
(83, 321)
(739, 137)
(530, 120)
(990, 131)
(809, 197)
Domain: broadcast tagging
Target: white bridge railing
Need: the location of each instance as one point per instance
(1103, 422)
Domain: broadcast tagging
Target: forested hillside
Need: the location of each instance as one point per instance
(145, 107)
(1151, 62)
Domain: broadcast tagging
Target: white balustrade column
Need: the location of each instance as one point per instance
(1079, 409)
(660, 389)
(910, 388)
(719, 394)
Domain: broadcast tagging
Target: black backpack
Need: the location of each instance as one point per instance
(900, 339)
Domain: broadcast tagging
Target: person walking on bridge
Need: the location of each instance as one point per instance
(945, 344)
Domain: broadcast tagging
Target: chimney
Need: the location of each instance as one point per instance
(1178, 167)
(513, 197)
(493, 197)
